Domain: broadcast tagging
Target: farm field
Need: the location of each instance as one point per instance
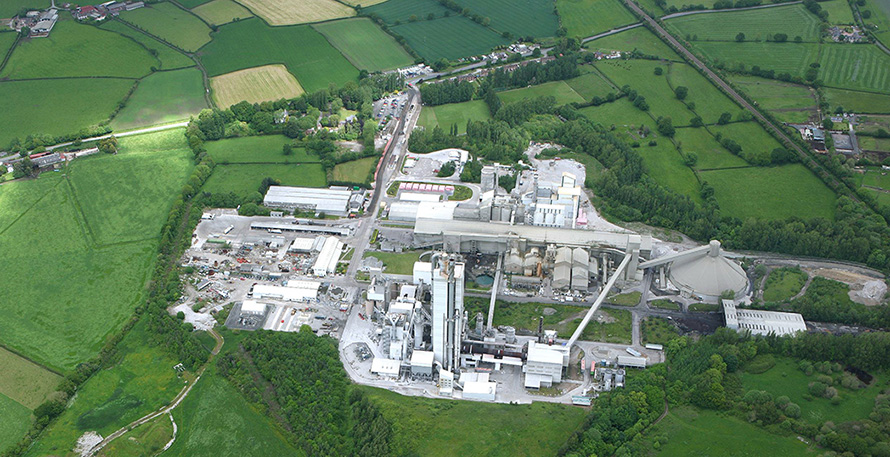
(10, 7)
(146, 439)
(583, 18)
(16, 421)
(439, 428)
(258, 84)
(788, 102)
(858, 102)
(855, 67)
(792, 20)
(193, 3)
(710, 103)
(520, 18)
(875, 177)
(393, 11)
(244, 180)
(363, 3)
(639, 75)
(450, 38)
(163, 97)
(755, 141)
(453, 114)
(219, 12)
(638, 38)
(620, 112)
(255, 149)
(870, 143)
(285, 12)
(251, 43)
(6, 41)
(396, 263)
(558, 89)
(710, 153)
(879, 20)
(75, 49)
(364, 44)
(792, 58)
(24, 381)
(783, 283)
(591, 85)
(761, 192)
(839, 12)
(170, 58)
(355, 171)
(171, 24)
(665, 165)
(75, 104)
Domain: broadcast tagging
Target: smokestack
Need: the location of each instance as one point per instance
(540, 329)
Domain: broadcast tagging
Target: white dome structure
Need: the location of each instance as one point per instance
(708, 274)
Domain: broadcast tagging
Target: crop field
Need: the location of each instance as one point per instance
(839, 12)
(177, 27)
(396, 263)
(710, 103)
(10, 7)
(762, 192)
(792, 58)
(450, 38)
(256, 150)
(251, 43)
(710, 153)
(583, 18)
(782, 99)
(664, 164)
(397, 11)
(453, 114)
(784, 283)
(639, 74)
(245, 179)
(170, 58)
(558, 89)
(521, 18)
(365, 45)
(74, 104)
(220, 12)
(706, 433)
(855, 67)
(258, 84)
(288, 12)
(139, 382)
(78, 50)
(792, 20)
(755, 141)
(163, 97)
(638, 38)
(24, 381)
(590, 85)
(431, 427)
(356, 171)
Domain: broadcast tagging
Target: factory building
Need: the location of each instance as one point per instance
(762, 322)
(447, 309)
(543, 366)
(409, 211)
(422, 363)
(326, 262)
(253, 307)
(292, 291)
(336, 201)
(703, 273)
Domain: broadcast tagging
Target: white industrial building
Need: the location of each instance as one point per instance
(302, 245)
(703, 273)
(543, 366)
(631, 361)
(422, 363)
(762, 322)
(293, 291)
(409, 211)
(335, 201)
(385, 367)
(447, 310)
(326, 262)
(253, 307)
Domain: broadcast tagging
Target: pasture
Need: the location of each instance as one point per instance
(74, 103)
(193, 3)
(665, 165)
(355, 171)
(9, 8)
(175, 26)
(433, 427)
(855, 67)
(146, 439)
(755, 141)
(790, 58)
(365, 45)
(558, 89)
(763, 192)
(170, 58)
(75, 49)
(870, 143)
(784, 100)
(792, 20)
(453, 114)
(287, 12)
(251, 43)
(244, 180)
(839, 12)
(620, 113)
(258, 84)
(583, 18)
(255, 149)
(639, 39)
(875, 177)
(784, 283)
(879, 20)
(398, 11)
(6, 41)
(163, 97)
(858, 102)
(710, 103)
(450, 38)
(710, 153)
(16, 421)
(639, 75)
(219, 12)
(591, 85)
(24, 381)
(520, 18)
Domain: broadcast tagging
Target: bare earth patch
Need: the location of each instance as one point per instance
(290, 12)
(258, 84)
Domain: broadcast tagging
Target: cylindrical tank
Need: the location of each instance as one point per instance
(510, 334)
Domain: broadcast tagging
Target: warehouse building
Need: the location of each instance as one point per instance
(293, 291)
(762, 322)
(543, 366)
(326, 262)
(335, 201)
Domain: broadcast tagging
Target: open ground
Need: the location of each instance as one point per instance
(254, 85)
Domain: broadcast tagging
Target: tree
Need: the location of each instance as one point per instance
(681, 92)
(780, 37)
(690, 159)
(23, 168)
(740, 37)
(658, 71)
(724, 119)
(287, 149)
(792, 410)
(798, 39)
(108, 145)
(696, 121)
(665, 126)
(447, 169)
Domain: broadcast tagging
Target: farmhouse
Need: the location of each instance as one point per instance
(45, 23)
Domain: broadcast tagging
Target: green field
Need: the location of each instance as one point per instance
(6, 41)
(170, 58)
(858, 102)
(74, 104)
(875, 177)
(521, 18)
(256, 149)
(763, 192)
(220, 12)
(710, 153)
(784, 283)
(16, 421)
(244, 180)
(591, 85)
(640, 76)
(147, 439)
(525, 316)
(792, 20)
(709, 102)
(560, 90)
(792, 58)
(453, 114)
(583, 18)
(879, 20)
(705, 433)
(619, 112)
(355, 171)
(839, 12)
(8, 8)
(24, 381)
(193, 3)
(615, 327)
(755, 141)
(855, 67)
(870, 143)
(364, 44)
(638, 38)
(664, 164)
(396, 263)
(393, 11)
(787, 102)
(427, 427)
(450, 38)
(627, 299)
(163, 97)
(252, 43)
(175, 26)
(75, 49)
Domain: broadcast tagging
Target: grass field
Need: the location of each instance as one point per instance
(614, 326)
(74, 103)
(450, 38)
(858, 102)
(364, 44)
(839, 12)
(788, 102)
(177, 27)
(783, 283)
(628, 299)
(763, 192)
(6, 41)
(251, 43)
(620, 113)
(9, 8)
(558, 89)
(521, 18)
(755, 141)
(193, 3)
(163, 97)
(396, 263)
(792, 20)
(709, 102)
(244, 180)
(170, 58)
(591, 85)
(147, 439)
(638, 38)
(258, 84)
(286, 12)
(855, 67)
(16, 421)
(657, 330)
(705, 433)
(792, 58)
(710, 153)
(639, 74)
(393, 11)
(870, 143)
(363, 3)
(78, 50)
(583, 18)
(875, 177)
(428, 427)
(256, 149)
(24, 381)
(664, 164)
(785, 378)
(525, 315)
(355, 171)
(220, 12)
(879, 20)
(453, 114)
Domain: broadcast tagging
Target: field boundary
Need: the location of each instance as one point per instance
(24, 357)
(8, 55)
(85, 226)
(26, 211)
